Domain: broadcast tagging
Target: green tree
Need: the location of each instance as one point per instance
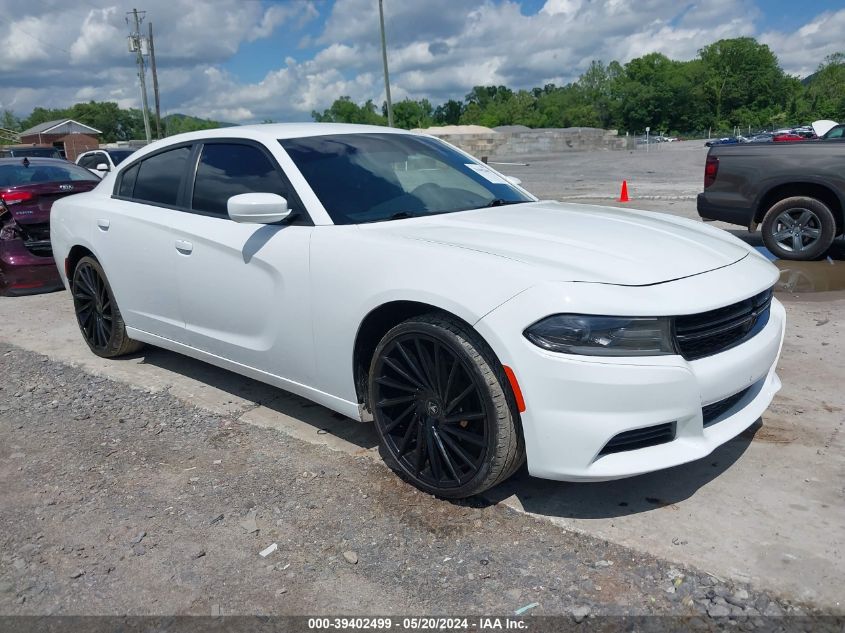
(42, 115)
(739, 73)
(825, 91)
(449, 113)
(595, 89)
(180, 123)
(344, 110)
(409, 114)
(9, 121)
(115, 123)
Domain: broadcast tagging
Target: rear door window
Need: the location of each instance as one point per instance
(229, 169)
(127, 182)
(159, 177)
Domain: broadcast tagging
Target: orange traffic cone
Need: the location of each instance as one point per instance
(623, 196)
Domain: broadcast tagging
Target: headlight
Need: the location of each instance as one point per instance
(603, 336)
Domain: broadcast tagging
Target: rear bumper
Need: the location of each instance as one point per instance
(22, 273)
(732, 215)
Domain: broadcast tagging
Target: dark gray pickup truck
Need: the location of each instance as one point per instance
(794, 191)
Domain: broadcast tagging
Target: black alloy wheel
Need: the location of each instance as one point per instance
(441, 411)
(93, 306)
(97, 313)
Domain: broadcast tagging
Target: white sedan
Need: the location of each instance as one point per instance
(392, 277)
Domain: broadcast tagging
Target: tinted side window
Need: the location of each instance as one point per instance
(87, 161)
(159, 176)
(127, 182)
(226, 170)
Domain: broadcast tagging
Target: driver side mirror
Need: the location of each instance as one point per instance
(258, 208)
(102, 167)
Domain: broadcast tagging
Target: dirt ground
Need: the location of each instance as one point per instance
(119, 501)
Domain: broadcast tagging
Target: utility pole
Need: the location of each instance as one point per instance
(384, 59)
(135, 46)
(155, 82)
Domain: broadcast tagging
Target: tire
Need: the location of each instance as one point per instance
(443, 408)
(97, 313)
(799, 228)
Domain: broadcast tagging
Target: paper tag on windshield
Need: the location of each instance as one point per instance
(487, 173)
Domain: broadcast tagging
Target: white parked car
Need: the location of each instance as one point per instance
(102, 161)
(389, 276)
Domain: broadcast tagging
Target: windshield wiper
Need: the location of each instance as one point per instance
(400, 215)
(500, 202)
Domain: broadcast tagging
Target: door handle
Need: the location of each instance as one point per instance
(184, 247)
(103, 224)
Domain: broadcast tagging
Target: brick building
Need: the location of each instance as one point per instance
(68, 136)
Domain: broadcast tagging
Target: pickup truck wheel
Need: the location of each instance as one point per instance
(442, 408)
(800, 228)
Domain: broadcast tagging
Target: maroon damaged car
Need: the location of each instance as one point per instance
(28, 188)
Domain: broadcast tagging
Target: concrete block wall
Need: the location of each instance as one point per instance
(476, 144)
(538, 141)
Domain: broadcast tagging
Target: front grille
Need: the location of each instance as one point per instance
(713, 411)
(708, 333)
(640, 438)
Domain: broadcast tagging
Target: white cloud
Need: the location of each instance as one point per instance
(97, 36)
(438, 49)
(801, 51)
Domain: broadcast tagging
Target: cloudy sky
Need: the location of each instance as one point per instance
(249, 60)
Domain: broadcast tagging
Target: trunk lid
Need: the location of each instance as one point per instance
(36, 210)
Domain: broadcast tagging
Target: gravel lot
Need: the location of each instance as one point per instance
(119, 501)
(671, 173)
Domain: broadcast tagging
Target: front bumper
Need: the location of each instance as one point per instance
(576, 405)
(22, 273)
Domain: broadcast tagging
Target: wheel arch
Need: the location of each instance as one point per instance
(822, 192)
(376, 324)
(76, 253)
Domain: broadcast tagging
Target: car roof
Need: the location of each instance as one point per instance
(277, 131)
(271, 132)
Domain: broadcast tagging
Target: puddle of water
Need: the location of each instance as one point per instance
(804, 277)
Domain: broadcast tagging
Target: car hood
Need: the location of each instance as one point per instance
(582, 243)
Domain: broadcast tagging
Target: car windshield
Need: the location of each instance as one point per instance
(835, 132)
(373, 177)
(14, 175)
(118, 155)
